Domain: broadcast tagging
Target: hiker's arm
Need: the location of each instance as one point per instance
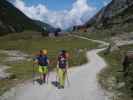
(57, 64)
(48, 61)
(35, 61)
(67, 65)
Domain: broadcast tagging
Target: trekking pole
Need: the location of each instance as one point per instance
(33, 73)
(68, 82)
(48, 77)
(57, 75)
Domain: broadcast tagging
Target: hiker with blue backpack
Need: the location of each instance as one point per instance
(43, 62)
(62, 66)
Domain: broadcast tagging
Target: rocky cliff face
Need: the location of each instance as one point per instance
(116, 13)
(13, 20)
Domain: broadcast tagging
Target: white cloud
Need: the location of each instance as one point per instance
(105, 3)
(79, 13)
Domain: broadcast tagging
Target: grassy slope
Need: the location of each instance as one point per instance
(111, 77)
(11, 16)
(23, 70)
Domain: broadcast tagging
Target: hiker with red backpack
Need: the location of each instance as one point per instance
(62, 67)
(43, 62)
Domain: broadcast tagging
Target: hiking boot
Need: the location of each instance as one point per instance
(61, 87)
(44, 81)
(40, 82)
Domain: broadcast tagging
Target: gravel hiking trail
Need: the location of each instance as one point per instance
(83, 83)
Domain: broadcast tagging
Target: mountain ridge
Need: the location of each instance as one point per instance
(115, 18)
(12, 20)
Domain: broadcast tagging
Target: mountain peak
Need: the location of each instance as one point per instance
(113, 19)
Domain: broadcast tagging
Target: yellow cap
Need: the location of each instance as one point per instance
(45, 51)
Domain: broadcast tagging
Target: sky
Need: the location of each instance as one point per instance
(60, 13)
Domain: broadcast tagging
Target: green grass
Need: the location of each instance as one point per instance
(98, 35)
(23, 70)
(2, 57)
(114, 68)
(106, 33)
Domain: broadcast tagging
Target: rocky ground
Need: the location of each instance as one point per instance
(10, 56)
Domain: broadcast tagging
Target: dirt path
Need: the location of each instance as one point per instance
(10, 56)
(83, 84)
(97, 41)
(14, 55)
(3, 74)
(121, 43)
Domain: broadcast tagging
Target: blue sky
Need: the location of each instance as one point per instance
(64, 4)
(53, 4)
(60, 13)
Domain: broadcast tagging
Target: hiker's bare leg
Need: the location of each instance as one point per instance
(44, 77)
